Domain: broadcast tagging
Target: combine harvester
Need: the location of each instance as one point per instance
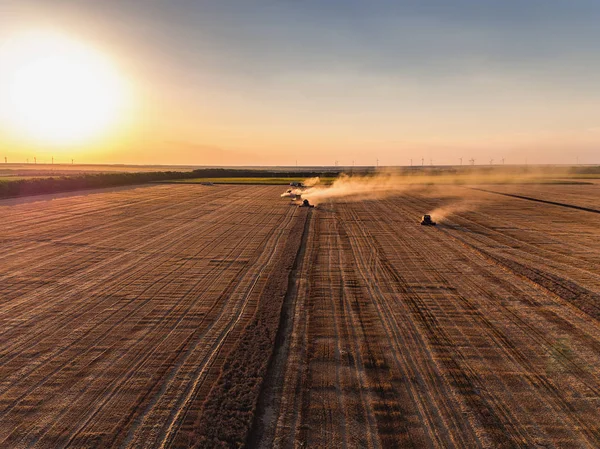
(299, 185)
(427, 221)
(292, 195)
(295, 193)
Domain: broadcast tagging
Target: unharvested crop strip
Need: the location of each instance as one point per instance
(228, 422)
(262, 426)
(224, 328)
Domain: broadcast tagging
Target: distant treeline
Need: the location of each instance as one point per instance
(67, 183)
(587, 170)
(39, 186)
(250, 173)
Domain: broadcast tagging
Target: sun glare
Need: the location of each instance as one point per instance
(57, 91)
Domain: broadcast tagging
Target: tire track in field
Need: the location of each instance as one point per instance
(355, 315)
(263, 427)
(551, 392)
(323, 345)
(538, 200)
(158, 245)
(175, 417)
(91, 405)
(512, 353)
(288, 420)
(148, 331)
(521, 246)
(173, 328)
(77, 291)
(179, 205)
(415, 361)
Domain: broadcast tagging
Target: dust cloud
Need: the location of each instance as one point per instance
(357, 188)
(441, 213)
(296, 192)
(293, 193)
(311, 182)
(388, 183)
(445, 185)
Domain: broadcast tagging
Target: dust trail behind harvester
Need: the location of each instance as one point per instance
(357, 188)
(381, 186)
(292, 193)
(296, 192)
(311, 182)
(441, 213)
(439, 185)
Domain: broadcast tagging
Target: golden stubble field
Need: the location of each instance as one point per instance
(178, 316)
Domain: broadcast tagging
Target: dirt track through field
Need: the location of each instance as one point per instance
(586, 196)
(541, 200)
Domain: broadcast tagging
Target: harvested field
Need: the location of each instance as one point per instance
(583, 195)
(119, 309)
(190, 315)
(480, 332)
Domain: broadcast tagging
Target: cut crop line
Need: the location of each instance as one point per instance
(554, 203)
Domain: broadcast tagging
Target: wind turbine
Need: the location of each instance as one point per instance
(472, 161)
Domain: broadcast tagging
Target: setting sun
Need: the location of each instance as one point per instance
(58, 91)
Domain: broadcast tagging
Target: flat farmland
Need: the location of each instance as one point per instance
(118, 309)
(206, 316)
(480, 332)
(577, 195)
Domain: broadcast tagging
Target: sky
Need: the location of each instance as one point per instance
(307, 82)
